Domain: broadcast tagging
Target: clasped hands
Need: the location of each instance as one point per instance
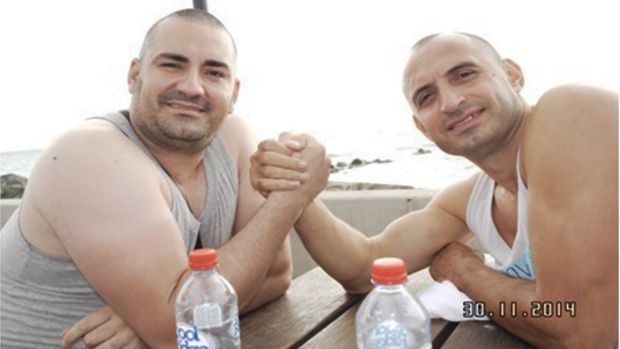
(291, 162)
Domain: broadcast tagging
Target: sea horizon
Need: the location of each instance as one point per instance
(401, 161)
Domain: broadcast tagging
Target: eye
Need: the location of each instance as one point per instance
(170, 65)
(218, 74)
(465, 74)
(423, 98)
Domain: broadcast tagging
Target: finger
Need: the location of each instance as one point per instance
(269, 185)
(279, 160)
(119, 340)
(270, 172)
(271, 145)
(135, 343)
(102, 333)
(85, 325)
(293, 141)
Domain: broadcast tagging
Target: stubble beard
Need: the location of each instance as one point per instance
(490, 136)
(168, 131)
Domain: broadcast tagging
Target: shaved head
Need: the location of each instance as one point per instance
(484, 43)
(191, 15)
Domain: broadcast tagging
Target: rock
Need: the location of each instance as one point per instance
(357, 162)
(364, 186)
(12, 186)
(339, 166)
(421, 151)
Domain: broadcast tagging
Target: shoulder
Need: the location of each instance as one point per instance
(454, 198)
(92, 155)
(573, 109)
(238, 139)
(94, 142)
(569, 131)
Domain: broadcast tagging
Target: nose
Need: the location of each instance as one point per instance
(191, 84)
(451, 99)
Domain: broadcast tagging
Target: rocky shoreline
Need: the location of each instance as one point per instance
(12, 186)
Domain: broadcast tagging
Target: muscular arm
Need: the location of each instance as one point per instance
(261, 284)
(103, 199)
(108, 206)
(347, 254)
(570, 155)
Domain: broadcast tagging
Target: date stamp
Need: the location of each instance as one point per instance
(536, 309)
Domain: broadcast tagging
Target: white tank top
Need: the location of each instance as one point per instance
(515, 260)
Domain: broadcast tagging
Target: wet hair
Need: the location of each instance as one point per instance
(192, 15)
(477, 38)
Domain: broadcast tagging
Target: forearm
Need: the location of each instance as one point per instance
(273, 286)
(343, 252)
(516, 306)
(246, 259)
(276, 282)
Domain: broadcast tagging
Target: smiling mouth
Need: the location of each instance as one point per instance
(465, 121)
(185, 107)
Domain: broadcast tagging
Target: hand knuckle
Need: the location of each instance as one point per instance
(262, 157)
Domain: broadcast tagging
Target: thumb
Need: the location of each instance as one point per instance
(296, 142)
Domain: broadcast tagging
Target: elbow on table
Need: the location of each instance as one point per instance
(357, 288)
(283, 281)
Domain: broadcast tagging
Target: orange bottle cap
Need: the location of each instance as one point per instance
(389, 271)
(204, 258)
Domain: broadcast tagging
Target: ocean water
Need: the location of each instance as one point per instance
(18, 162)
(414, 161)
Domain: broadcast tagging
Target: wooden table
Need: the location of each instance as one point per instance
(316, 312)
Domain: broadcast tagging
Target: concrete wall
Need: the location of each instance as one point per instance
(7, 206)
(369, 211)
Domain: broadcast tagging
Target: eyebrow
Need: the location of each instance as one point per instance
(449, 72)
(183, 59)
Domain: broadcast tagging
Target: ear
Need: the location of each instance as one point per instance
(420, 127)
(514, 73)
(231, 107)
(133, 75)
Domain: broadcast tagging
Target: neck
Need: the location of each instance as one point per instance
(181, 166)
(502, 162)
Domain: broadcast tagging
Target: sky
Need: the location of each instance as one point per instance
(330, 68)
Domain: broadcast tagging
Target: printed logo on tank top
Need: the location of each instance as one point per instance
(522, 268)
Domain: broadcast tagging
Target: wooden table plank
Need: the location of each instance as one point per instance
(481, 335)
(311, 303)
(341, 333)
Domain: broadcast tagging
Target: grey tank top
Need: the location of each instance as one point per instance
(42, 294)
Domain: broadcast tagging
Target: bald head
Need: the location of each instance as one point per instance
(449, 49)
(190, 15)
(479, 40)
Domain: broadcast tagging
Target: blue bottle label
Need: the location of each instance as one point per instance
(189, 337)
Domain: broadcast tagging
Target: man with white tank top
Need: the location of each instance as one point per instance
(115, 204)
(545, 204)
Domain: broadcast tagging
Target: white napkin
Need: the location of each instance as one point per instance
(443, 300)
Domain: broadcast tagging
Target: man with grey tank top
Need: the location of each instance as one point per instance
(99, 243)
(545, 204)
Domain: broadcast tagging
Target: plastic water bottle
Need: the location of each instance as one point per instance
(390, 317)
(207, 314)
